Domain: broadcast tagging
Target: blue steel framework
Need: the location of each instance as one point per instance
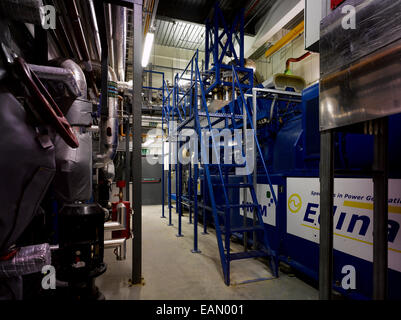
(182, 105)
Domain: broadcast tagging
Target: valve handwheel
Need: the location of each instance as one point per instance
(44, 104)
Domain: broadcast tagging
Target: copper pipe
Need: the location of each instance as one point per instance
(287, 64)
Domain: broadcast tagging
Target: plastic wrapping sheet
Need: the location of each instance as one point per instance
(27, 168)
(28, 260)
(73, 180)
(360, 69)
(378, 24)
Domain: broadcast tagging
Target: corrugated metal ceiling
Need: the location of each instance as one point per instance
(179, 34)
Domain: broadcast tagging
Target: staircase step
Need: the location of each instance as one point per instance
(247, 255)
(243, 229)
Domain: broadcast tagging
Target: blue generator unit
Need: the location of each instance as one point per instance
(290, 140)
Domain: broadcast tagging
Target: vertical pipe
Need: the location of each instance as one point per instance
(100, 16)
(380, 212)
(137, 144)
(326, 215)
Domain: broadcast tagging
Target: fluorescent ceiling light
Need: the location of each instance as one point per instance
(148, 48)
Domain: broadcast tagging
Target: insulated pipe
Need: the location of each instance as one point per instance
(119, 40)
(110, 35)
(120, 245)
(121, 221)
(79, 33)
(60, 74)
(109, 125)
(287, 64)
(95, 28)
(78, 74)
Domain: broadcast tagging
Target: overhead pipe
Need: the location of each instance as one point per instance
(154, 10)
(79, 33)
(63, 31)
(95, 28)
(286, 39)
(89, 29)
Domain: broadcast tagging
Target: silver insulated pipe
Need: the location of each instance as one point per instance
(109, 125)
(119, 40)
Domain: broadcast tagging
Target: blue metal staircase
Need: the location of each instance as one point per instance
(220, 178)
(225, 172)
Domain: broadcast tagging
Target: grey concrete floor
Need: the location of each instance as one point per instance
(172, 272)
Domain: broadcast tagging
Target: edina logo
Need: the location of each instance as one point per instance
(294, 203)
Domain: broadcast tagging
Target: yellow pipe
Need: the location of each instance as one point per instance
(286, 39)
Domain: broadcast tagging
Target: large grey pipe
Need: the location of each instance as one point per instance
(109, 125)
(110, 34)
(119, 40)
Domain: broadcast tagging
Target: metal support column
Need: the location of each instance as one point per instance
(380, 211)
(326, 215)
(204, 201)
(127, 159)
(179, 192)
(170, 223)
(137, 144)
(255, 155)
(163, 157)
(195, 188)
(190, 194)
